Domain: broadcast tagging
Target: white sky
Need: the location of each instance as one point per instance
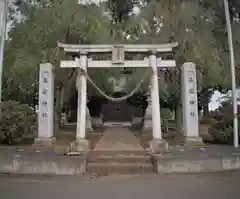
(217, 98)
(215, 101)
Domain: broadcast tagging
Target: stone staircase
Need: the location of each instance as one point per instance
(119, 162)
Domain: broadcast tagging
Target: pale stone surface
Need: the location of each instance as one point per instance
(190, 103)
(193, 141)
(42, 164)
(154, 89)
(119, 139)
(117, 124)
(158, 146)
(137, 123)
(44, 141)
(89, 127)
(80, 145)
(97, 121)
(147, 126)
(137, 120)
(82, 97)
(45, 108)
(197, 164)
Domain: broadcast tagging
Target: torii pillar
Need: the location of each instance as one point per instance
(81, 143)
(157, 145)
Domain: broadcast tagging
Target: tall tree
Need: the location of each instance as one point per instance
(33, 39)
(192, 25)
(121, 9)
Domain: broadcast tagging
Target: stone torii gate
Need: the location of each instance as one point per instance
(118, 60)
(83, 60)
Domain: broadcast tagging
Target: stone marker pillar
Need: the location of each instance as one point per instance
(45, 105)
(157, 145)
(190, 103)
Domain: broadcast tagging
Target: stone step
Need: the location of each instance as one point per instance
(120, 159)
(119, 168)
(116, 153)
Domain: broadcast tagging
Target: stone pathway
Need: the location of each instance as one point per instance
(118, 139)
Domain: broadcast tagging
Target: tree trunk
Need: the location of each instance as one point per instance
(178, 107)
(58, 108)
(61, 99)
(205, 110)
(178, 117)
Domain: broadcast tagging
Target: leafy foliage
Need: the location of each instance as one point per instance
(121, 9)
(222, 128)
(17, 120)
(198, 26)
(192, 25)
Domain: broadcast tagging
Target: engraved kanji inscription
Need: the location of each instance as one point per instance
(190, 80)
(44, 115)
(44, 91)
(192, 102)
(191, 91)
(192, 114)
(45, 76)
(44, 103)
(45, 80)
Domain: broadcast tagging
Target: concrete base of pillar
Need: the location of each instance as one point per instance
(81, 145)
(44, 141)
(158, 146)
(191, 141)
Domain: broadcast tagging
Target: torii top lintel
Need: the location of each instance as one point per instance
(138, 48)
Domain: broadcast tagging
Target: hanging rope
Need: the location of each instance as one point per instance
(118, 99)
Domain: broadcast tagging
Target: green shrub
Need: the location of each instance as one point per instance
(222, 129)
(17, 120)
(167, 114)
(208, 120)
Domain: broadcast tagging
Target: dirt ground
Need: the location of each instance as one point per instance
(172, 138)
(95, 136)
(68, 135)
